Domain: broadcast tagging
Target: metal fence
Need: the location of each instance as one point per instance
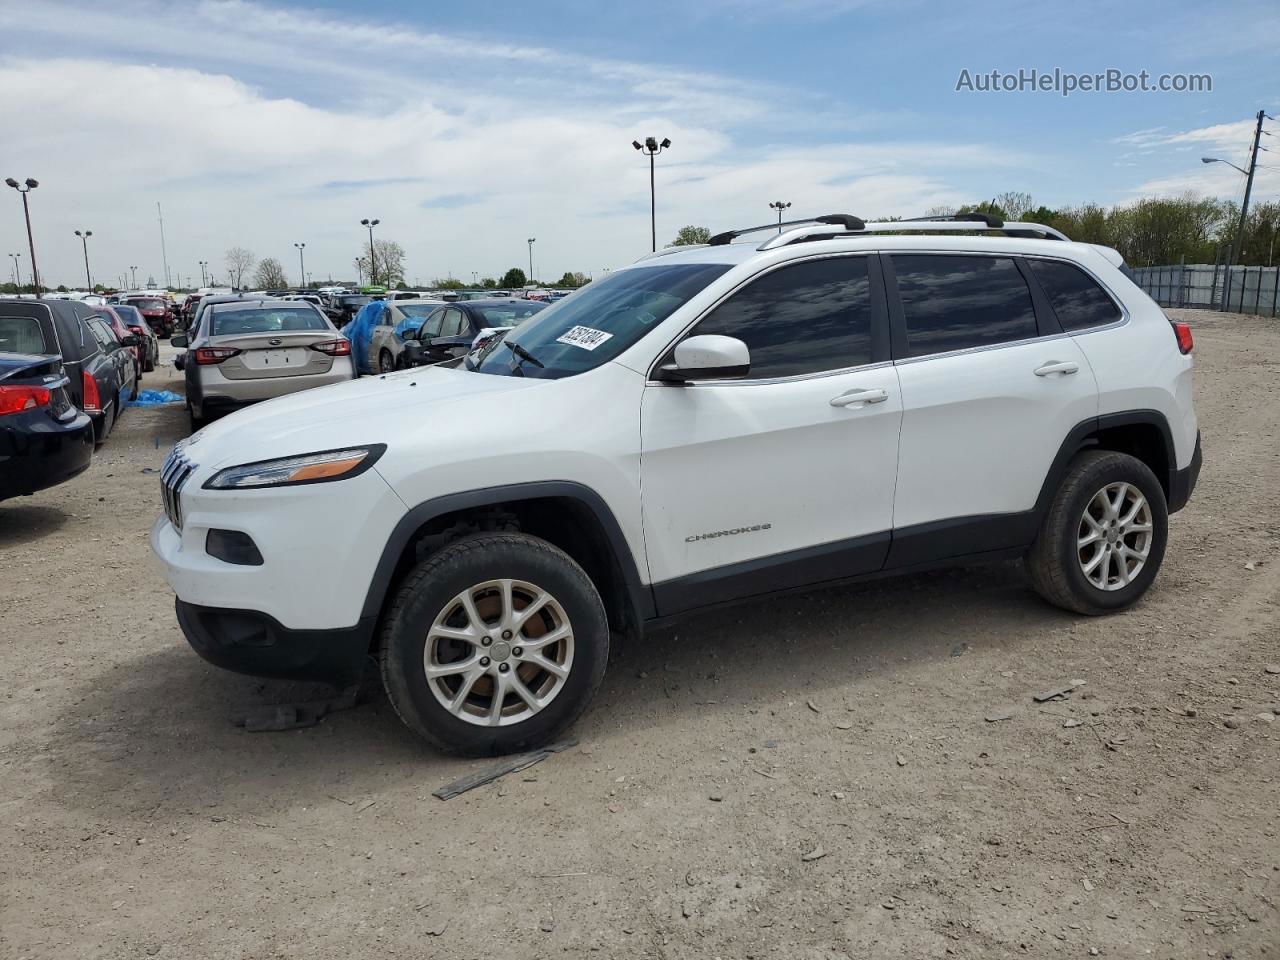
(1213, 287)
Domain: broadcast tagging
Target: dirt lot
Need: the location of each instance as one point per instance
(1137, 818)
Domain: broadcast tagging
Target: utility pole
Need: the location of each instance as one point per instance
(164, 256)
(1248, 185)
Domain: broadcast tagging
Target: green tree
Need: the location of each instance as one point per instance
(514, 278)
(573, 279)
(270, 275)
(448, 283)
(688, 236)
(489, 283)
(389, 268)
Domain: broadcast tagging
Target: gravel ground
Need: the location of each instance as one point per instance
(809, 777)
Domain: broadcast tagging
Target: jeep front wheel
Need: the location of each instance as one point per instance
(1103, 538)
(493, 645)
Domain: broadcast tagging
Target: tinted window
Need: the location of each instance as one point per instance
(231, 322)
(597, 323)
(801, 319)
(101, 332)
(1076, 297)
(955, 302)
(21, 335)
(431, 326)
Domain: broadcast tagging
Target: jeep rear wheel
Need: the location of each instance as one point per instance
(494, 644)
(1103, 537)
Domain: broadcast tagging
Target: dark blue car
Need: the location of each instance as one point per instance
(44, 439)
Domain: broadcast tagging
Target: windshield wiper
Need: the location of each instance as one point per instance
(523, 354)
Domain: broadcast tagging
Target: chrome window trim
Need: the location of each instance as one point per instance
(833, 255)
(795, 378)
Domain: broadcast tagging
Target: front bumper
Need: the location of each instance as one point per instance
(250, 642)
(37, 452)
(1183, 482)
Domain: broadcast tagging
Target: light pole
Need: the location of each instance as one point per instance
(84, 242)
(204, 277)
(530, 241)
(779, 205)
(373, 260)
(359, 273)
(133, 274)
(24, 188)
(651, 148)
(302, 268)
(17, 269)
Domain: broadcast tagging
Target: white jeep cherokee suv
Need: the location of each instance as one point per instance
(710, 424)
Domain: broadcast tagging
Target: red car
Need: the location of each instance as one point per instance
(121, 330)
(157, 312)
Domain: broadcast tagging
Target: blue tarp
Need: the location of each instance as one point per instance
(360, 331)
(407, 326)
(152, 398)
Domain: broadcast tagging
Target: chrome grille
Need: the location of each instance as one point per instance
(174, 475)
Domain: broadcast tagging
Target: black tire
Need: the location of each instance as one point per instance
(197, 417)
(1054, 560)
(434, 583)
(385, 362)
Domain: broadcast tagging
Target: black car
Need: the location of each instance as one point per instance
(450, 331)
(44, 439)
(99, 368)
(342, 307)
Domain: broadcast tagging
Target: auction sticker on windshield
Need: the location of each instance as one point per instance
(584, 337)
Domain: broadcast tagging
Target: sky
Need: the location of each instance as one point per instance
(467, 128)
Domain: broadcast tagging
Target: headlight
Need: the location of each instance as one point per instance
(319, 467)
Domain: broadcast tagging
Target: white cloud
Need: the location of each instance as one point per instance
(462, 147)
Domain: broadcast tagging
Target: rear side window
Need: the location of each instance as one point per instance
(958, 302)
(21, 335)
(805, 318)
(1076, 297)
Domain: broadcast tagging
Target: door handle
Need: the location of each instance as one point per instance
(1063, 367)
(850, 397)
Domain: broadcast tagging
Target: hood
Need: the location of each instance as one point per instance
(368, 410)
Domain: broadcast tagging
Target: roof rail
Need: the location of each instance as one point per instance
(969, 224)
(994, 222)
(844, 220)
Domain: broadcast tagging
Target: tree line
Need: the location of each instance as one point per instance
(1146, 232)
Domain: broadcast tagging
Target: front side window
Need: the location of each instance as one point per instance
(597, 323)
(453, 321)
(805, 318)
(1075, 296)
(959, 302)
(21, 335)
(431, 325)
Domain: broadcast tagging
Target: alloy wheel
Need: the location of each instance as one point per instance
(499, 652)
(1114, 537)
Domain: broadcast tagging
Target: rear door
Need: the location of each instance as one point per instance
(990, 389)
(785, 477)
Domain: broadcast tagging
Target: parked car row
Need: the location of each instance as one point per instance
(67, 370)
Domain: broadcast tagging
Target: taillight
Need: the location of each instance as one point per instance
(334, 348)
(137, 330)
(19, 399)
(208, 355)
(1183, 333)
(92, 402)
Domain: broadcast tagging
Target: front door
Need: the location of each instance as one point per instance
(785, 477)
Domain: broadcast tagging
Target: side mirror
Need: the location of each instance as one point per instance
(707, 357)
(178, 341)
(132, 340)
(413, 353)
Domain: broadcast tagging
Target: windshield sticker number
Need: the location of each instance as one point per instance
(584, 337)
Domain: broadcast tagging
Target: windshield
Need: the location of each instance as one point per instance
(21, 335)
(597, 323)
(228, 323)
(416, 309)
(508, 315)
(147, 304)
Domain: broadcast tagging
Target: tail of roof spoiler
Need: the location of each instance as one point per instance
(1111, 254)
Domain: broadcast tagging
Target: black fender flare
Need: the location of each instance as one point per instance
(1079, 439)
(639, 593)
